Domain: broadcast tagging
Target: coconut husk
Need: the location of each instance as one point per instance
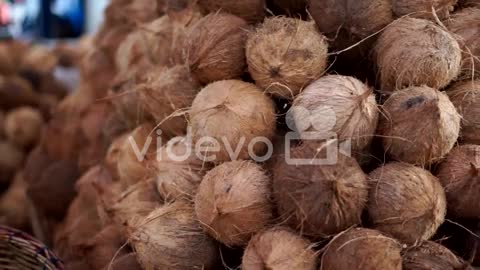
(23, 126)
(16, 92)
(11, 159)
(292, 8)
(466, 98)
(36, 162)
(432, 256)
(125, 262)
(406, 202)
(39, 59)
(426, 9)
(284, 55)
(14, 205)
(252, 11)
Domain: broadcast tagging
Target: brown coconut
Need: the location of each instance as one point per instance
(420, 125)
(284, 55)
(113, 152)
(293, 8)
(36, 162)
(465, 25)
(178, 171)
(414, 52)
(234, 202)
(459, 174)
(466, 98)
(14, 205)
(23, 126)
(11, 159)
(468, 3)
(427, 9)
(7, 60)
(251, 10)
(142, 11)
(215, 49)
(360, 18)
(337, 105)
(432, 256)
(322, 199)
(2, 124)
(359, 249)
(279, 249)
(170, 237)
(166, 95)
(15, 92)
(39, 59)
(406, 202)
(125, 262)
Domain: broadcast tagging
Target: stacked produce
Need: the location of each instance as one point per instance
(218, 134)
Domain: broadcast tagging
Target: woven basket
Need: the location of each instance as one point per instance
(19, 250)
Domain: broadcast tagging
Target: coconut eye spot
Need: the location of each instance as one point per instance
(414, 102)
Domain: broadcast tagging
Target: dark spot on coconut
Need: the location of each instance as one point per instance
(228, 188)
(275, 72)
(413, 102)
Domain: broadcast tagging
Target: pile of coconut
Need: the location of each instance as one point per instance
(268, 135)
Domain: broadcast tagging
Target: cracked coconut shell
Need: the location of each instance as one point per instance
(170, 237)
(341, 105)
(280, 249)
(235, 114)
(432, 256)
(406, 202)
(420, 125)
(319, 200)
(459, 174)
(414, 52)
(284, 55)
(465, 25)
(423, 8)
(466, 98)
(234, 202)
(359, 249)
(215, 48)
(250, 10)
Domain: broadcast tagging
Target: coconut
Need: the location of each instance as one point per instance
(57, 181)
(251, 10)
(248, 113)
(234, 202)
(166, 94)
(432, 256)
(414, 52)
(142, 11)
(293, 8)
(285, 54)
(215, 49)
(402, 137)
(266, 250)
(7, 61)
(11, 159)
(14, 210)
(406, 202)
(359, 18)
(125, 262)
(337, 105)
(15, 92)
(2, 124)
(39, 59)
(113, 152)
(37, 161)
(100, 70)
(427, 9)
(469, 3)
(465, 24)
(23, 126)
(459, 173)
(170, 237)
(466, 98)
(178, 170)
(362, 248)
(319, 194)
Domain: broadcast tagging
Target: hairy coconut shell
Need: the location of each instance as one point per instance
(428, 9)
(359, 249)
(23, 126)
(11, 159)
(469, 3)
(142, 11)
(250, 10)
(280, 249)
(338, 105)
(168, 93)
(178, 171)
(125, 262)
(247, 112)
(466, 98)
(406, 202)
(360, 18)
(14, 211)
(2, 124)
(465, 24)
(113, 153)
(234, 202)
(39, 59)
(100, 70)
(405, 140)
(414, 52)
(284, 55)
(432, 256)
(37, 161)
(215, 49)
(459, 173)
(170, 237)
(15, 92)
(319, 200)
(8, 65)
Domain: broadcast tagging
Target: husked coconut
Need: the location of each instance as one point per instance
(406, 202)
(234, 202)
(466, 98)
(420, 125)
(432, 256)
(459, 174)
(250, 10)
(423, 8)
(285, 54)
(415, 52)
(23, 126)
(280, 249)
